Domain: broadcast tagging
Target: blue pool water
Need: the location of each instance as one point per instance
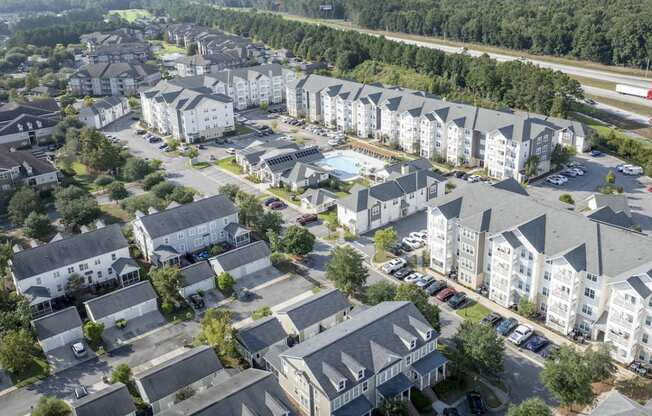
(348, 164)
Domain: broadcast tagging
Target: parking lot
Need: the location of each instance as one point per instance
(581, 187)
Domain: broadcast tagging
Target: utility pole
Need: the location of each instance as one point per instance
(647, 67)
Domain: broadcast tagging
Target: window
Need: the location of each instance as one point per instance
(413, 344)
(55, 274)
(544, 291)
(589, 293)
(59, 288)
(644, 338)
(83, 267)
(648, 320)
(592, 277)
(546, 276)
(341, 385)
(98, 261)
(71, 269)
(365, 386)
(113, 256)
(587, 310)
(361, 374)
(428, 334)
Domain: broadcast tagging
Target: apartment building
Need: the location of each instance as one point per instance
(350, 369)
(581, 273)
(189, 66)
(115, 37)
(18, 168)
(187, 111)
(104, 112)
(112, 79)
(432, 128)
(29, 123)
(366, 209)
(163, 237)
(41, 273)
(210, 41)
(119, 52)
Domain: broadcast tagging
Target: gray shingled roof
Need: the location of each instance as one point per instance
(250, 392)
(125, 265)
(121, 299)
(113, 400)
(57, 323)
(318, 196)
(22, 120)
(617, 404)
(196, 273)
(108, 70)
(316, 308)
(189, 215)
(71, 250)
(181, 371)
(372, 338)
(261, 334)
(242, 255)
(20, 158)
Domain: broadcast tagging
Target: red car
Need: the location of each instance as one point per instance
(649, 189)
(277, 205)
(306, 219)
(446, 294)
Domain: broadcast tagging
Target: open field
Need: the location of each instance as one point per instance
(131, 15)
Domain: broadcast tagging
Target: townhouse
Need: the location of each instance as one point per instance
(163, 237)
(278, 167)
(29, 123)
(119, 52)
(210, 41)
(115, 37)
(581, 272)
(366, 209)
(22, 168)
(41, 273)
(104, 112)
(350, 369)
(188, 66)
(112, 79)
(460, 134)
(113, 400)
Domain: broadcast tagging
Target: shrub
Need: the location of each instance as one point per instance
(117, 191)
(261, 312)
(163, 189)
(152, 179)
(103, 180)
(420, 401)
(566, 198)
(225, 282)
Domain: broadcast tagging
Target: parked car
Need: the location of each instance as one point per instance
(277, 205)
(418, 235)
(549, 351)
(560, 177)
(473, 179)
(268, 201)
(457, 300)
(78, 349)
(402, 273)
(396, 249)
(413, 242)
(307, 219)
(334, 142)
(406, 248)
(476, 403)
(196, 301)
(578, 172)
(80, 392)
(555, 181)
(520, 334)
(436, 287)
(596, 153)
(570, 173)
(493, 319)
(446, 294)
(414, 277)
(506, 326)
(141, 131)
(425, 282)
(230, 150)
(394, 265)
(536, 343)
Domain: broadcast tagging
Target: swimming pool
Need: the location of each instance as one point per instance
(348, 165)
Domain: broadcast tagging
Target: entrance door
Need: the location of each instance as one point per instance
(32, 138)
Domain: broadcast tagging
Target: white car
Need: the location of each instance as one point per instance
(578, 171)
(334, 142)
(393, 265)
(419, 235)
(473, 179)
(78, 349)
(561, 178)
(230, 151)
(620, 168)
(520, 334)
(569, 172)
(425, 281)
(412, 242)
(555, 181)
(414, 278)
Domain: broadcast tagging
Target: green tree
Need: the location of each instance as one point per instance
(182, 195)
(532, 166)
(16, 349)
(418, 296)
(394, 407)
(261, 312)
(218, 331)
(167, 281)
(567, 198)
(274, 241)
(530, 407)
(610, 178)
(15, 313)
(93, 332)
(76, 206)
(51, 406)
(135, 169)
(249, 208)
(479, 348)
(225, 282)
(346, 270)
(103, 180)
(74, 286)
(117, 191)
(152, 180)
(380, 292)
(192, 154)
(567, 378)
(527, 308)
(269, 221)
(6, 253)
(38, 226)
(23, 202)
(229, 190)
(298, 240)
(122, 374)
(561, 155)
(599, 362)
(163, 190)
(383, 241)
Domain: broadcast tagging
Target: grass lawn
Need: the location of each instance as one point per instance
(83, 178)
(201, 165)
(637, 388)
(37, 370)
(166, 48)
(183, 313)
(285, 195)
(603, 129)
(113, 213)
(328, 216)
(473, 311)
(241, 129)
(229, 164)
(131, 15)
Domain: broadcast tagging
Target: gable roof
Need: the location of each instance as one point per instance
(197, 272)
(261, 334)
(23, 159)
(57, 323)
(315, 308)
(318, 196)
(240, 256)
(120, 299)
(172, 375)
(251, 392)
(113, 400)
(186, 216)
(57, 254)
(617, 404)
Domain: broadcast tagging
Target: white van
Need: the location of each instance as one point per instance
(633, 170)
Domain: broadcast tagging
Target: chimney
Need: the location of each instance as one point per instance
(57, 237)
(152, 210)
(17, 248)
(139, 214)
(99, 224)
(84, 229)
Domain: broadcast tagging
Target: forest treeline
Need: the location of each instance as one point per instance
(616, 32)
(513, 84)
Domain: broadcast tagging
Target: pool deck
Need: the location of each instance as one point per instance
(346, 164)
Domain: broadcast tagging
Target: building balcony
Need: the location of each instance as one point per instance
(622, 339)
(561, 294)
(566, 278)
(623, 323)
(628, 306)
(561, 310)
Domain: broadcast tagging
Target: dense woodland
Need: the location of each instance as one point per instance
(512, 84)
(617, 32)
(23, 6)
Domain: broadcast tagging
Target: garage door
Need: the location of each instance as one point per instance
(131, 313)
(204, 285)
(250, 268)
(61, 339)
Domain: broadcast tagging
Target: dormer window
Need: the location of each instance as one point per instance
(429, 335)
(361, 374)
(341, 385)
(413, 344)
